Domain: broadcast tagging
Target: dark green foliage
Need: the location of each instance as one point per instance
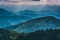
(8, 35)
(43, 35)
(4, 34)
(37, 35)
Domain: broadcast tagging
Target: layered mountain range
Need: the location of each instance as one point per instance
(35, 22)
(33, 25)
(11, 15)
(13, 18)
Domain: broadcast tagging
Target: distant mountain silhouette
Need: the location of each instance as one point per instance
(28, 13)
(41, 23)
(37, 28)
(11, 20)
(47, 10)
(4, 12)
(8, 18)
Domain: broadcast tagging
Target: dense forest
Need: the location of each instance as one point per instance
(37, 35)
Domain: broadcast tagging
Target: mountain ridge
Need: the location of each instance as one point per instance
(42, 23)
(4, 12)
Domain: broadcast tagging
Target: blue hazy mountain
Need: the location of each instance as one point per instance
(41, 23)
(4, 12)
(6, 21)
(17, 8)
(46, 11)
(28, 19)
(8, 18)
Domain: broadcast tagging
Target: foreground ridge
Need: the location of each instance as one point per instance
(37, 35)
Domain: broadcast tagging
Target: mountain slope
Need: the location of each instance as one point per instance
(37, 35)
(43, 35)
(3, 34)
(4, 12)
(9, 18)
(9, 35)
(48, 10)
(42, 23)
(12, 20)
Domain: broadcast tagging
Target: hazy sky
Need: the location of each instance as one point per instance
(53, 2)
(18, 2)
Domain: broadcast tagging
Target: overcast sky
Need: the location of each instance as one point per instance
(18, 2)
